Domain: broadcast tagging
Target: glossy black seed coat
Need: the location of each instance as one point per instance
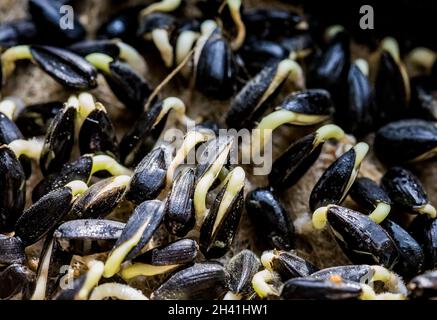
(390, 91)
(97, 134)
(310, 288)
(67, 68)
(356, 273)
(411, 255)
(79, 169)
(18, 32)
(86, 47)
(201, 281)
(215, 68)
(43, 215)
(98, 200)
(149, 177)
(404, 188)
(88, 236)
(35, 119)
(291, 165)
(215, 242)
(289, 265)
(362, 240)
(59, 141)
(270, 219)
(424, 286)
(12, 189)
(179, 209)
(129, 86)
(405, 140)
(311, 102)
(246, 107)
(331, 187)
(178, 252)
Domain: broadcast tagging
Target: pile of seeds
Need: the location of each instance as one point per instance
(126, 187)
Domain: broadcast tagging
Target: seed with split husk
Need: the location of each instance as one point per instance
(162, 259)
(81, 169)
(372, 198)
(302, 108)
(333, 186)
(149, 176)
(47, 212)
(270, 219)
(97, 134)
(362, 240)
(287, 264)
(35, 119)
(254, 97)
(11, 250)
(129, 86)
(212, 160)
(15, 279)
(392, 86)
(100, 199)
(59, 140)
(215, 70)
(83, 286)
(241, 268)
(201, 281)
(138, 231)
(141, 138)
(88, 236)
(310, 288)
(411, 257)
(12, 189)
(50, 269)
(330, 70)
(424, 286)
(291, 165)
(406, 191)
(406, 141)
(220, 225)
(179, 208)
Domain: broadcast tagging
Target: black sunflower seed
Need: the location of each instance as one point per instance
(15, 279)
(362, 240)
(406, 140)
(88, 236)
(179, 208)
(270, 219)
(34, 120)
(406, 191)
(424, 286)
(333, 186)
(361, 273)
(47, 16)
(310, 288)
(411, 256)
(18, 32)
(65, 67)
(97, 133)
(12, 189)
(138, 231)
(149, 176)
(201, 281)
(241, 268)
(59, 141)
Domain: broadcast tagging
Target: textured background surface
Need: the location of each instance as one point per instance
(33, 86)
